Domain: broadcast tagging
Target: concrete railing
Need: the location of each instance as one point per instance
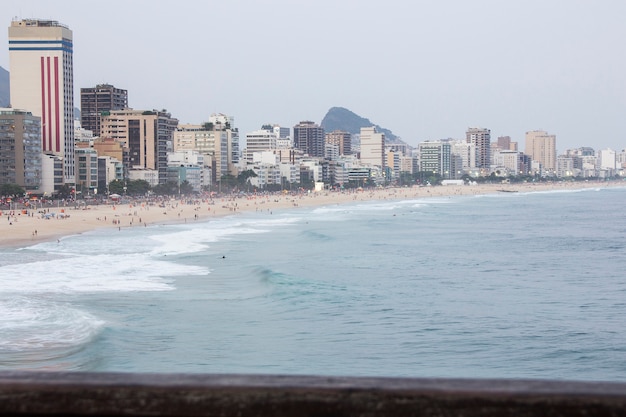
(106, 394)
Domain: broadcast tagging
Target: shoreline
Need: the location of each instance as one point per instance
(18, 229)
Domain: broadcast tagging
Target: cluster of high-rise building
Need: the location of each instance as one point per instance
(43, 146)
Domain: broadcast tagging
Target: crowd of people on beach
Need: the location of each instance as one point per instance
(130, 211)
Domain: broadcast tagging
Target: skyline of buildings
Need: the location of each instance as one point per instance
(116, 142)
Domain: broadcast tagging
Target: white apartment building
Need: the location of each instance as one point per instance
(341, 168)
(508, 160)
(51, 173)
(259, 141)
(372, 147)
(290, 172)
(466, 151)
(481, 139)
(109, 169)
(270, 170)
(188, 165)
(266, 174)
(42, 82)
(151, 176)
(87, 170)
(620, 159)
(331, 151)
(565, 167)
(606, 159)
(313, 165)
(81, 134)
(589, 168)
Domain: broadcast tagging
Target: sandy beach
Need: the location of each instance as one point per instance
(50, 222)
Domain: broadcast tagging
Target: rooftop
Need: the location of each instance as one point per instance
(38, 23)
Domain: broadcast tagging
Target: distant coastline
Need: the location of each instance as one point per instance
(24, 228)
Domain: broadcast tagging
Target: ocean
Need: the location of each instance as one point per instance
(510, 285)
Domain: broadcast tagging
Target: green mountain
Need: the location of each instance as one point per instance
(339, 118)
(4, 88)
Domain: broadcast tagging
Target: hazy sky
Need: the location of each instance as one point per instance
(424, 69)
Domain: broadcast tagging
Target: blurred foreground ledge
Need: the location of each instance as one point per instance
(108, 394)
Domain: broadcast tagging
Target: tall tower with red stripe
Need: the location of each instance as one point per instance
(42, 82)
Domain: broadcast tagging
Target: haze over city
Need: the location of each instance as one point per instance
(425, 70)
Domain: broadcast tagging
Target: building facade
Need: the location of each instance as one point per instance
(109, 169)
(508, 160)
(42, 82)
(309, 138)
(217, 140)
(87, 170)
(188, 165)
(260, 141)
(541, 147)
(607, 161)
(436, 157)
(341, 139)
(481, 139)
(372, 147)
(227, 144)
(146, 133)
(20, 149)
(96, 100)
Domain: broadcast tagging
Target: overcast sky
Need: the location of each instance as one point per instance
(424, 69)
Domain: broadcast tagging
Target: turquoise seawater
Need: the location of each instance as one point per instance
(512, 285)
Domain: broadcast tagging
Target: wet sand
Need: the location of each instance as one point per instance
(53, 222)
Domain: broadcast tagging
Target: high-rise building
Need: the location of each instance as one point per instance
(216, 140)
(42, 82)
(227, 141)
(620, 159)
(504, 143)
(146, 134)
(481, 139)
(606, 159)
(87, 170)
(343, 140)
(509, 160)
(20, 149)
(541, 147)
(372, 147)
(96, 100)
(309, 138)
(436, 157)
(259, 141)
(467, 154)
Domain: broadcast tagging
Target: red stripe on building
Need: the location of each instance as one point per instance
(49, 144)
(57, 111)
(44, 137)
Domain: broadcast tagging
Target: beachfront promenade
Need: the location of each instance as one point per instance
(23, 227)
